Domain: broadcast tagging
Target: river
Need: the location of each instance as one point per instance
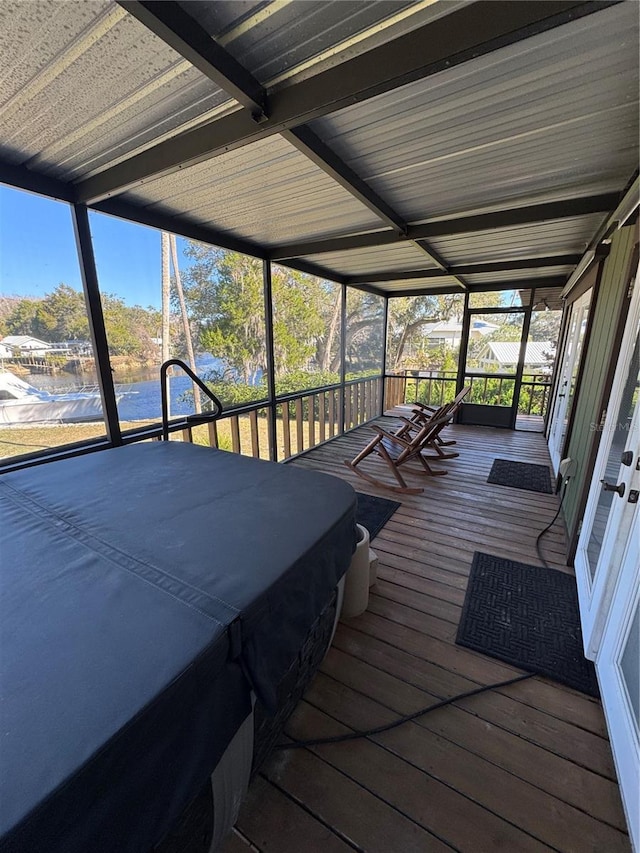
(140, 400)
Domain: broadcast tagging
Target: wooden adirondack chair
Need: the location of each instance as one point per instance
(401, 447)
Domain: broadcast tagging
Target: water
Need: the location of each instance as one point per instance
(142, 399)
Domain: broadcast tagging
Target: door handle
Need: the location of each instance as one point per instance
(627, 457)
(609, 487)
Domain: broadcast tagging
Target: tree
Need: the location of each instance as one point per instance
(62, 316)
(224, 292)
(59, 316)
(409, 315)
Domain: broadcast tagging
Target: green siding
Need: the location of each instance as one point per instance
(596, 363)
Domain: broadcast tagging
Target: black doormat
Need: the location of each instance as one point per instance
(526, 616)
(521, 475)
(373, 513)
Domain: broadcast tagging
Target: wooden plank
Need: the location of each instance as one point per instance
(348, 394)
(426, 800)
(467, 726)
(299, 426)
(286, 430)
(255, 439)
(517, 801)
(322, 414)
(509, 708)
(349, 808)
(234, 424)
(273, 821)
(187, 435)
(332, 414)
(234, 843)
(311, 407)
(212, 428)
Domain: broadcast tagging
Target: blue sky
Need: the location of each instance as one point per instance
(38, 251)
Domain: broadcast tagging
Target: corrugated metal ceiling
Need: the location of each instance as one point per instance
(401, 257)
(554, 237)
(551, 117)
(515, 276)
(85, 84)
(420, 285)
(283, 41)
(555, 116)
(267, 192)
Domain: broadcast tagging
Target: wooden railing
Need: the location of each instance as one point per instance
(303, 420)
(433, 388)
(437, 387)
(534, 395)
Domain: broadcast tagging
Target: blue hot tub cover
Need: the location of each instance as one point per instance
(145, 591)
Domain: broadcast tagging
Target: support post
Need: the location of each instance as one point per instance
(385, 330)
(84, 245)
(521, 357)
(343, 357)
(271, 370)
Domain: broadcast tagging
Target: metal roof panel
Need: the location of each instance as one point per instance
(556, 236)
(266, 192)
(554, 116)
(402, 256)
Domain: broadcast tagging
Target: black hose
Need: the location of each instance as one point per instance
(299, 744)
(550, 525)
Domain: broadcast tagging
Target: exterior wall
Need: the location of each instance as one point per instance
(585, 436)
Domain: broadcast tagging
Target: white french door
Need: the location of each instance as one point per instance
(608, 568)
(568, 376)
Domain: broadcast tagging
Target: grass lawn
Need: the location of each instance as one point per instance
(19, 440)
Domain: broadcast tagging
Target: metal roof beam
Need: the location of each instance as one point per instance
(534, 213)
(24, 179)
(314, 269)
(180, 226)
(168, 20)
(536, 283)
(462, 35)
(309, 144)
(467, 269)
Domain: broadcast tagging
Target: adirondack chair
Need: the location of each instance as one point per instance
(399, 448)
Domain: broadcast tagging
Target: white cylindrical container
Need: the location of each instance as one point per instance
(356, 587)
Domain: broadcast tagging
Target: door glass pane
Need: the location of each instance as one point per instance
(620, 434)
(630, 666)
(539, 359)
(581, 322)
(492, 357)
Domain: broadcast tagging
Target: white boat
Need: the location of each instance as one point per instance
(21, 403)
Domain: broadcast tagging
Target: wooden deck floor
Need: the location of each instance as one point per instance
(524, 768)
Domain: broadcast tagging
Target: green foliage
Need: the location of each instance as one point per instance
(364, 332)
(62, 316)
(224, 292)
(407, 318)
